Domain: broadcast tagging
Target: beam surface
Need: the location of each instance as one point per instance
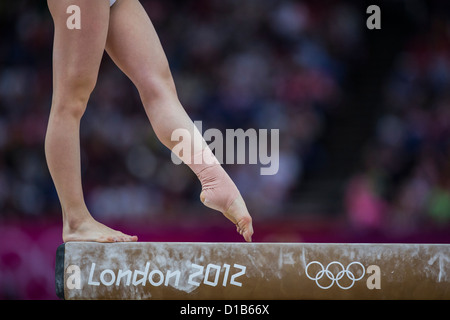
(254, 271)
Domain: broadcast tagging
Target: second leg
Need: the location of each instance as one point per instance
(77, 54)
(135, 47)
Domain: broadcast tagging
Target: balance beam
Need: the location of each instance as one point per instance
(254, 271)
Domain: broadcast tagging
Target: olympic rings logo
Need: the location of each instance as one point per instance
(335, 278)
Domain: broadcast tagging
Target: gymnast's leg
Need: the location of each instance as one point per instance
(134, 46)
(77, 55)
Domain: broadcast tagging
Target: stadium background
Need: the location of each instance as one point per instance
(364, 119)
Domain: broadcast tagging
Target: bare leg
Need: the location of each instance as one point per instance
(135, 47)
(76, 59)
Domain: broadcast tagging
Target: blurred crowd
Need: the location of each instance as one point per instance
(263, 64)
(405, 182)
(237, 64)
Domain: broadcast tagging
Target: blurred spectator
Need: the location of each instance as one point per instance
(365, 207)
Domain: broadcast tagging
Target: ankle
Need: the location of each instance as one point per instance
(218, 190)
(202, 160)
(74, 218)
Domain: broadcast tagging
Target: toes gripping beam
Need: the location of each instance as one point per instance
(148, 270)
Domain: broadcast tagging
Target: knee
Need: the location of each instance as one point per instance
(68, 109)
(71, 96)
(156, 87)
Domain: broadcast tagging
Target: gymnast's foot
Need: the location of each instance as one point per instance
(238, 214)
(90, 230)
(220, 193)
